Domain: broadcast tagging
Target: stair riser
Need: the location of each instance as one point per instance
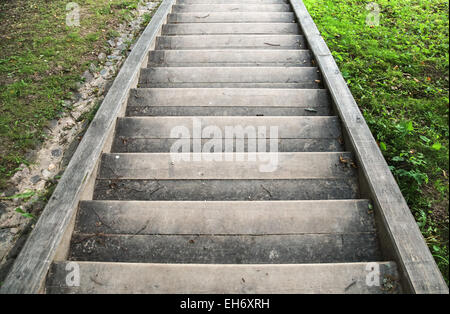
(133, 145)
(143, 111)
(273, 249)
(226, 190)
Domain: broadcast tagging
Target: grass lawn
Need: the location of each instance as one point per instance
(398, 72)
(41, 61)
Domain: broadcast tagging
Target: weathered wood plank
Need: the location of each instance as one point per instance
(30, 268)
(345, 278)
(416, 264)
(222, 218)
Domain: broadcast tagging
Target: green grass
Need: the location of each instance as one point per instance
(41, 60)
(399, 74)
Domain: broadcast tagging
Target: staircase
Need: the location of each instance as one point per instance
(216, 226)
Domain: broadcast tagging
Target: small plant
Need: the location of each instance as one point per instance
(25, 214)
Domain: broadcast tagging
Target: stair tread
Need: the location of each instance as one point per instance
(191, 278)
(258, 217)
(229, 76)
(229, 57)
(231, 42)
(287, 166)
(230, 28)
(229, 97)
(232, 17)
(233, 7)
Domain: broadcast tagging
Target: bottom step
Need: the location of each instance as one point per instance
(195, 278)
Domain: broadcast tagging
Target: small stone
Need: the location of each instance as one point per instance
(14, 230)
(102, 56)
(56, 152)
(108, 63)
(103, 72)
(87, 76)
(46, 174)
(111, 43)
(92, 68)
(2, 209)
(113, 57)
(35, 179)
(51, 167)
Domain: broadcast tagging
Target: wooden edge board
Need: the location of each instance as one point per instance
(31, 266)
(416, 264)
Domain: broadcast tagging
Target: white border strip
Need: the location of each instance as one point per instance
(416, 264)
(32, 264)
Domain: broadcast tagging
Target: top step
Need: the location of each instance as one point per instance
(232, 2)
(180, 8)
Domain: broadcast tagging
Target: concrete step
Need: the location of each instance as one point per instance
(231, 42)
(226, 57)
(336, 278)
(230, 28)
(224, 218)
(197, 166)
(227, 190)
(219, 77)
(295, 134)
(232, 17)
(229, 97)
(298, 176)
(232, 2)
(237, 7)
(226, 249)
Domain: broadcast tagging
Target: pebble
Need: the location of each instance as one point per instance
(46, 174)
(51, 167)
(102, 56)
(35, 179)
(56, 152)
(87, 76)
(92, 68)
(113, 57)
